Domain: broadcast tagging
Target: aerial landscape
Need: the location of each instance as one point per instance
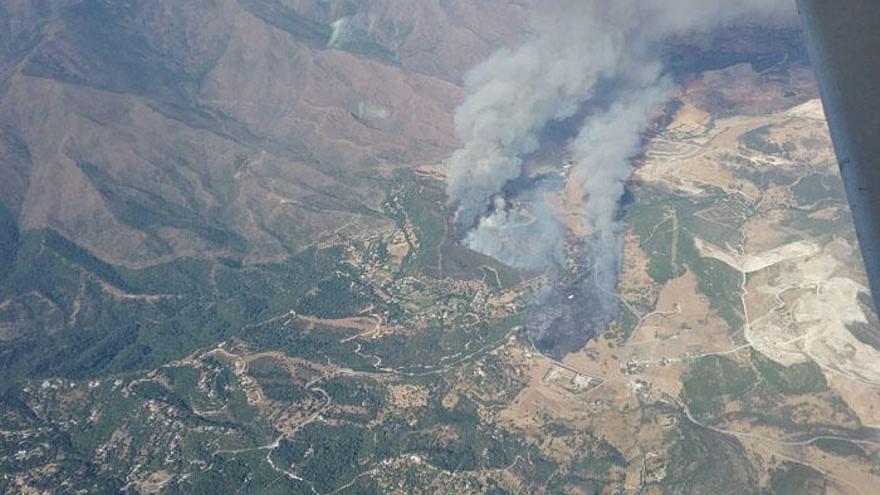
(338, 247)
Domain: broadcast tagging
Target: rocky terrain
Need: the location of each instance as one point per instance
(148, 131)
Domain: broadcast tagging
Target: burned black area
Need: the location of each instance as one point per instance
(579, 305)
(733, 45)
(525, 185)
(573, 310)
(568, 317)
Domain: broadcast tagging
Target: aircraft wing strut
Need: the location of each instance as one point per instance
(844, 42)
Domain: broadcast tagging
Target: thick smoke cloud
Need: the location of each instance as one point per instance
(520, 238)
(598, 57)
(573, 48)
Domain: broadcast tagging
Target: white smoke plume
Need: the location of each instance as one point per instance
(519, 240)
(573, 46)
